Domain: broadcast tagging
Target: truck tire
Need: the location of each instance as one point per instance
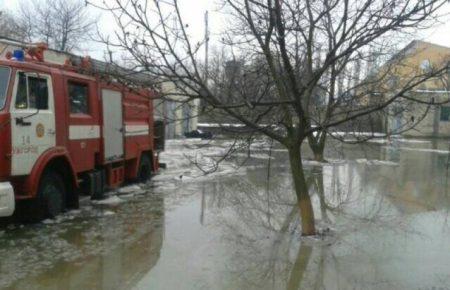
(145, 169)
(51, 195)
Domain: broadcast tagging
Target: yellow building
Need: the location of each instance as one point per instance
(406, 68)
(413, 62)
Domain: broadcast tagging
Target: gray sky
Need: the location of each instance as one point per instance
(194, 10)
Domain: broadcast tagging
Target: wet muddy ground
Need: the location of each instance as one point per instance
(382, 210)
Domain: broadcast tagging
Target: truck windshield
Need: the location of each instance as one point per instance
(4, 79)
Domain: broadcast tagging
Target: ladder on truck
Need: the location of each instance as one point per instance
(40, 52)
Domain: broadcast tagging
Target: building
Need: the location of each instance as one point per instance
(180, 114)
(416, 59)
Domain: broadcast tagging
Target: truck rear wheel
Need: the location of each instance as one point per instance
(51, 194)
(145, 169)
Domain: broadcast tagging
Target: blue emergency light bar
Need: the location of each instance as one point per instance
(18, 55)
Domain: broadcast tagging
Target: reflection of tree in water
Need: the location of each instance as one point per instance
(258, 227)
(299, 267)
(261, 228)
(357, 199)
(316, 185)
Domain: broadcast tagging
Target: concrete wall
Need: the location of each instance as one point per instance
(431, 124)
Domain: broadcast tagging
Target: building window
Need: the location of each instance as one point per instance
(32, 93)
(445, 114)
(78, 94)
(426, 66)
(393, 81)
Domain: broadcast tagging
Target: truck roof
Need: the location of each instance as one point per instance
(70, 63)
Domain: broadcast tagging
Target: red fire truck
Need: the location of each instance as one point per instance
(67, 128)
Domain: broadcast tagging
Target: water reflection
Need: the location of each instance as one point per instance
(101, 248)
(382, 210)
(387, 214)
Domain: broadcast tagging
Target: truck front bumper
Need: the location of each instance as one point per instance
(7, 201)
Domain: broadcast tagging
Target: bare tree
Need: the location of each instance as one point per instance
(62, 24)
(297, 49)
(9, 26)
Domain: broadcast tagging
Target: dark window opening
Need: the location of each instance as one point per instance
(445, 114)
(78, 94)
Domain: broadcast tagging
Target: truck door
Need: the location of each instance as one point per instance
(112, 125)
(32, 120)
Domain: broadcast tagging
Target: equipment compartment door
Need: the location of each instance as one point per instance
(112, 125)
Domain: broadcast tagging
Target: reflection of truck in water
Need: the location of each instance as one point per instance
(117, 251)
(68, 125)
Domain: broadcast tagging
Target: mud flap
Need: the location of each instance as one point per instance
(7, 201)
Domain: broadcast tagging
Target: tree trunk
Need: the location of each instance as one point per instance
(317, 146)
(301, 190)
(318, 154)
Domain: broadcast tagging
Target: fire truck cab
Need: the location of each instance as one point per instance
(64, 132)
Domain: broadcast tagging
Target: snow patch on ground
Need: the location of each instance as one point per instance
(379, 141)
(48, 221)
(172, 178)
(439, 151)
(254, 156)
(197, 161)
(108, 213)
(129, 189)
(185, 141)
(221, 125)
(67, 216)
(127, 196)
(112, 200)
(400, 140)
(376, 162)
(121, 195)
(418, 141)
(329, 162)
(358, 134)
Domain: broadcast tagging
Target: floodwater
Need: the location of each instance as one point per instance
(382, 210)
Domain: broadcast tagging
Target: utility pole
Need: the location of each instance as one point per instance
(206, 46)
(205, 77)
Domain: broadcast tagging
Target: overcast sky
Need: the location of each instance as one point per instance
(194, 10)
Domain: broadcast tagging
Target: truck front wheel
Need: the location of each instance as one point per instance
(51, 194)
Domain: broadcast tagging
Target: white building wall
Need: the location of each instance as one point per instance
(180, 116)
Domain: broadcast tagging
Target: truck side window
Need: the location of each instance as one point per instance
(38, 93)
(32, 92)
(78, 94)
(21, 97)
